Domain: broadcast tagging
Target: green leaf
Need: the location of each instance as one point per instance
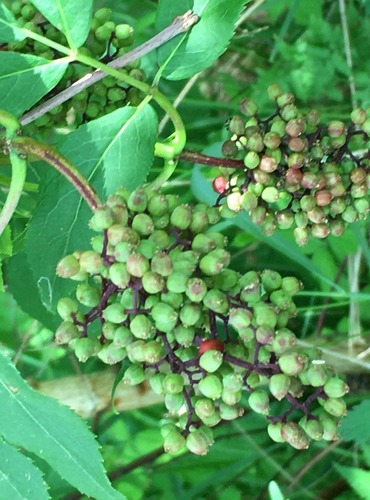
(24, 79)
(355, 425)
(71, 17)
(9, 32)
(25, 290)
(358, 479)
(6, 244)
(103, 152)
(19, 478)
(206, 41)
(52, 432)
(130, 154)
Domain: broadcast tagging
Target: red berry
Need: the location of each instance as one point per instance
(207, 345)
(219, 184)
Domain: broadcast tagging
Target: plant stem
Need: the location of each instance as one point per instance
(168, 169)
(60, 163)
(193, 156)
(19, 169)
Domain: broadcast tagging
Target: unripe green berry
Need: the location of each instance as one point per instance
(173, 299)
(279, 385)
(284, 340)
(285, 99)
(141, 326)
(161, 263)
(65, 332)
(211, 360)
(292, 364)
(251, 160)
(156, 383)
(335, 407)
(196, 289)
(313, 428)
(184, 335)
(123, 250)
(85, 348)
(197, 443)
(68, 267)
(281, 299)
(199, 222)
(114, 313)
(118, 275)
(142, 224)
(137, 265)
(211, 387)
(110, 354)
(236, 125)
(212, 263)
(335, 388)
(174, 442)
(240, 318)
(270, 194)
(91, 262)
(165, 317)
(153, 352)
(190, 314)
(136, 351)
(330, 427)
(204, 408)
(88, 295)
(177, 282)
(271, 280)
(232, 382)
(173, 383)
(122, 337)
(138, 200)
(316, 375)
(216, 301)
(134, 375)
(274, 431)
(67, 308)
(291, 285)
(259, 402)
(103, 15)
(230, 412)
(295, 436)
(265, 315)
(358, 116)
(181, 217)
(153, 282)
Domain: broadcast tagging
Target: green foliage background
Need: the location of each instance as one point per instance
(300, 45)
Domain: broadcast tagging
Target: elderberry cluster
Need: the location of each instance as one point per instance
(155, 292)
(295, 173)
(107, 40)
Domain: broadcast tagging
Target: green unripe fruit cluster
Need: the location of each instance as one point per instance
(290, 180)
(165, 301)
(103, 97)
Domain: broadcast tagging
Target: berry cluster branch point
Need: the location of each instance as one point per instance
(180, 25)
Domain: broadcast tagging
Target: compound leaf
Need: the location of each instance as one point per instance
(52, 432)
(207, 40)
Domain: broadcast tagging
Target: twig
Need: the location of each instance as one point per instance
(180, 25)
(179, 99)
(347, 48)
(195, 157)
(313, 462)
